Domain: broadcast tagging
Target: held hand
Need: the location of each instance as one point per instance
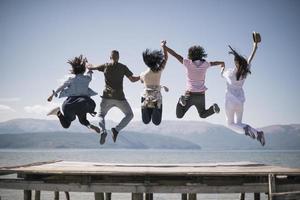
(223, 65)
(50, 98)
(89, 66)
(163, 43)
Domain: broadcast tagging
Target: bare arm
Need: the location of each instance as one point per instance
(252, 53)
(215, 63)
(134, 78)
(173, 53)
(163, 45)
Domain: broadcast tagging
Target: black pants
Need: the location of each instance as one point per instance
(194, 99)
(76, 106)
(151, 113)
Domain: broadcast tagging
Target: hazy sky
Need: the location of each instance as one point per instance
(38, 37)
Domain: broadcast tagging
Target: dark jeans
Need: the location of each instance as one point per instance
(151, 113)
(76, 106)
(194, 99)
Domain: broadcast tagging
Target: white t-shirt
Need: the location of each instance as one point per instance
(234, 90)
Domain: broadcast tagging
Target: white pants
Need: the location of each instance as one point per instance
(234, 115)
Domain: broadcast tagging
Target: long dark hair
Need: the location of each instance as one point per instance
(153, 59)
(78, 64)
(242, 68)
(196, 53)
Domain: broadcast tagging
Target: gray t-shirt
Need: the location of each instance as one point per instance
(114, 74)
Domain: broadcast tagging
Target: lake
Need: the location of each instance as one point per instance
(10, 157)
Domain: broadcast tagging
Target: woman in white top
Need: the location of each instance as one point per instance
(235, 98)
(152, 99)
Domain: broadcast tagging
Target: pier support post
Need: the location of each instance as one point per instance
(192, 196)
(242, 196)
(272, 186)
(99, 196)
(137, 196)
(27, 194)
(149, 196)
(67, 195)
(56, 195)
(37, 195)
(108, 196)
(256, 196)
(184, 196)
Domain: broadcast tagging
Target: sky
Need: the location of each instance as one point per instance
(38, 37)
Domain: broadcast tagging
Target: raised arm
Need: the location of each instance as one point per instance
(173, 53)
(252, 53)
(163, 45)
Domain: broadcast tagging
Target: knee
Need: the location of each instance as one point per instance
(130, 115)
(66, 125)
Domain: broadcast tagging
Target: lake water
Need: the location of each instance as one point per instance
(10, 157)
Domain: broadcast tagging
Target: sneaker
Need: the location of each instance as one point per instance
(103, 137)
(261, 138)
(248, 132)
(182, 101)
(95, 128)
(216, 108)
(115, 134)
(54, 111)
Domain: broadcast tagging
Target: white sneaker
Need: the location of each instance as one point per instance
(54, 111)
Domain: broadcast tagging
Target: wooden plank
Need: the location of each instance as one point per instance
(37, 195)
(82, 168)
(27, 194)
(143, 188)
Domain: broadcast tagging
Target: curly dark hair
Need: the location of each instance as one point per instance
(242, 68)
(153, 59)
(78, 64)
(197, 53)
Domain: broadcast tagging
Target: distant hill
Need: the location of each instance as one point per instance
(32, 133)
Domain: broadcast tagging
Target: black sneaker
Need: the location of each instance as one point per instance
(261, 138)
(182, 101)
(103, 137)
(114, 134)
(216, 108)
(94, 128)
(248, 132)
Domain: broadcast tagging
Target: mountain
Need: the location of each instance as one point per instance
(169, 134)
(129, 140)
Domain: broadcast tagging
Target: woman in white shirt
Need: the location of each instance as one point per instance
(235, 98)
(151, 98)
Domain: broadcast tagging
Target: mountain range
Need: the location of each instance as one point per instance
(176, 134)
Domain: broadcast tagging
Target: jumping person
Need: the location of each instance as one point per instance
(113, 95)
(77, 91)
(196, 67)
(152, 99)
(235, 98)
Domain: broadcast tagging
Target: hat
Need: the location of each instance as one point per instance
(256, 37)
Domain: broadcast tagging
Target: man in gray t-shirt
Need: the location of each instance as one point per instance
(113, 94)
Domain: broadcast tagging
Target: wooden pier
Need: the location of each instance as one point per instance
(144, 180)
